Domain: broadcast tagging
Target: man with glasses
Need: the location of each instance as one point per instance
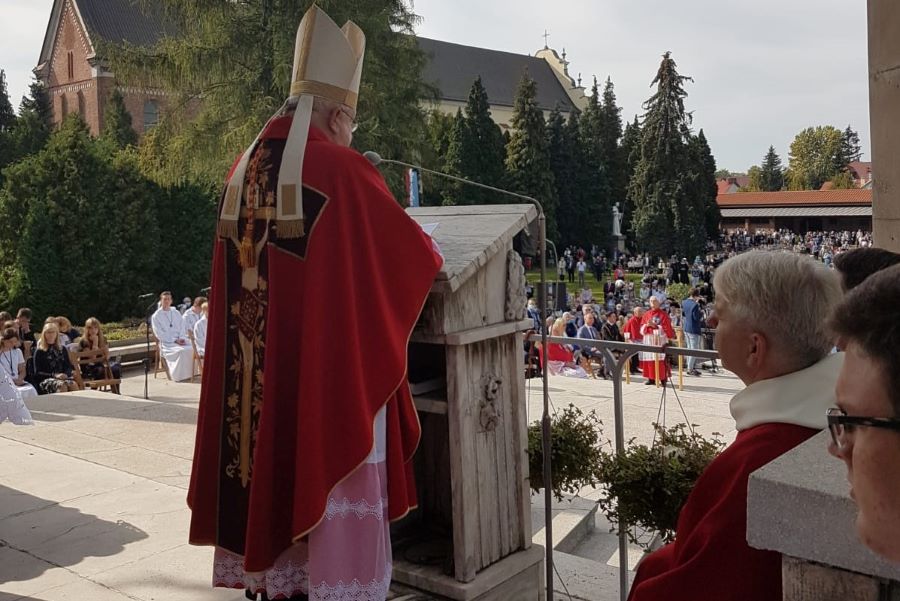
(784, 359)
(865, 425)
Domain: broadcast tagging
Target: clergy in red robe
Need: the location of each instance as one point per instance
(656, 330)
(784, 360)
(304, 441)
(631, 331)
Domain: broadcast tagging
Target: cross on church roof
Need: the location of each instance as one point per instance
(546, 36)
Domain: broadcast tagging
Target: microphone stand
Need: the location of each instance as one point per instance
(375, 159)
(149, 314)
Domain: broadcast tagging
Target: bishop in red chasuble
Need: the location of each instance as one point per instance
(305, 433)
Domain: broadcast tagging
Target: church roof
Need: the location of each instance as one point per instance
(115, 21)
(452, 68)
(124, 21)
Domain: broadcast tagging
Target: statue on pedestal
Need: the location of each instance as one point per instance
(617, 221)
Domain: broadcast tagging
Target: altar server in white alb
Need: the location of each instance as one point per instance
(168, 327)
(200, 329)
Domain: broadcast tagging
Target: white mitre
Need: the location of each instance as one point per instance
(327, 64)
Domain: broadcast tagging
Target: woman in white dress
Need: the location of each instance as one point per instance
(12, 363)
(13, 388)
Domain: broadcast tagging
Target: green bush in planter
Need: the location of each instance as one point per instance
(575, 451)
(648, 485)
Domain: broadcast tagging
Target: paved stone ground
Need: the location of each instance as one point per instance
(92, 498)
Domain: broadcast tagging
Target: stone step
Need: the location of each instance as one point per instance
(584, 579)
(573, 521)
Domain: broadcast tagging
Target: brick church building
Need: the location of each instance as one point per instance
(77, 79)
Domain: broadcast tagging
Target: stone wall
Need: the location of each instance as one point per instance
(884, 113)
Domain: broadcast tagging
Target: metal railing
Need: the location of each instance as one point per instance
(616, 358)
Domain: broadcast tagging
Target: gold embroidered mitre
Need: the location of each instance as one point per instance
(327, 64)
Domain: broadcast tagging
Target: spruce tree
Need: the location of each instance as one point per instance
(594, 184)
(480, 150)
(8, 150)
(850, 148)
(528, 157)
(611, 154)
(665, 219)
(438, 130)
(452, 191)
(34, 123)
(562, 142)
(771, 174)
(707, 189)
(631, 153)
(117, 129)
(7, 115)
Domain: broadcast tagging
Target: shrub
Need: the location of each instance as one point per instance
(648, 485)
(575, 451)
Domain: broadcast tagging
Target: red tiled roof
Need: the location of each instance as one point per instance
(723, 186)
(805, 198)
(861, 170)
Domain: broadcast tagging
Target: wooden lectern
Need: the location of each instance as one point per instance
(470, 538)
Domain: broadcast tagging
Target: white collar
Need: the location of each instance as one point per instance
(798, 398)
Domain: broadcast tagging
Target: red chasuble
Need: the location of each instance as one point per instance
(307, 341)
(710, 557)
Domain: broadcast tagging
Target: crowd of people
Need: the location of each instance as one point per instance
(810, 360)
(44, 362)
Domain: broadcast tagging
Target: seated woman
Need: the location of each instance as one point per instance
(12, 363)
(53, 372)
(67, 334)
(560, 358)
(94, 340)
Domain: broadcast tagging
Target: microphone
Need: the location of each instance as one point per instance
(205, 290)
(373, 157)
(148, 295)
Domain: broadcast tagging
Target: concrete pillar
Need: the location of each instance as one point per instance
(884, 115)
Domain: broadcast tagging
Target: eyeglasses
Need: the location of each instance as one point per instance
(841, 425)
(353, 123)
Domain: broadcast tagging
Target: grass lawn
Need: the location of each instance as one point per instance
(533, 276)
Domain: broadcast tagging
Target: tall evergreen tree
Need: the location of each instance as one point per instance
(7, 115)
(563, 145)
(707, 189)
(480, 150)
(237, 57)
(611, 154)
(771, 175)
(451, 191)
(34, 123)
(850, 148)
(631, 153)
(664, 219)
(8, 151)
(117, 129)
(439, 127)
(528, 157)
(594, 182)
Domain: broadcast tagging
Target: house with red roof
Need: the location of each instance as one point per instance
(800, 211)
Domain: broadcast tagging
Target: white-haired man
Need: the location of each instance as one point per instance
(297, 472)
(770, 320)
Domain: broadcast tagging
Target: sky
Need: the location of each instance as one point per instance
(762, 70)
